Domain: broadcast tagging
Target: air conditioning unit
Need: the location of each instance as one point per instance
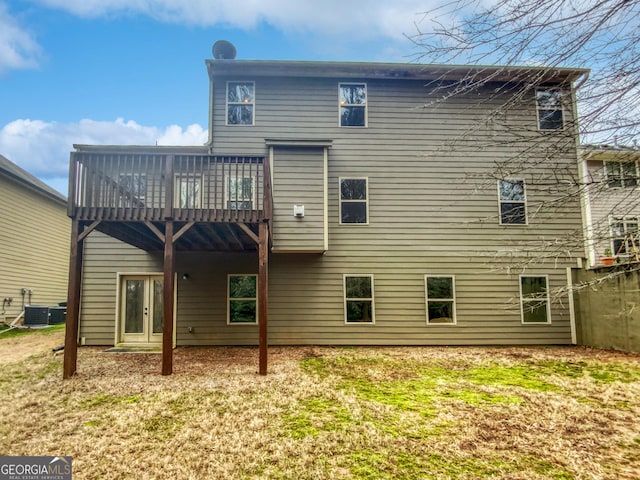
(36, 315)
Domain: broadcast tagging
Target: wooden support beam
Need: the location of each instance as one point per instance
(168, 299)
(88, 230)
(73, 302)
(263, 291)
(235, 237)
(183, 230)
(155, 230)
(249, 232)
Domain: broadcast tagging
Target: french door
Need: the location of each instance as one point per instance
(141, 309)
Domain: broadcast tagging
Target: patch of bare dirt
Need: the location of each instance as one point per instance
(16, 349)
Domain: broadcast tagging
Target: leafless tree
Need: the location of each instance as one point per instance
(601, 35)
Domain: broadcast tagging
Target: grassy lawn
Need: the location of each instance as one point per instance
(331, 413)
(6, 332)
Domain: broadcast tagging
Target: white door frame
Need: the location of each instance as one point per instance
(120, 277)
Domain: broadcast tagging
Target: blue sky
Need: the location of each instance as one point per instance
(132, 71)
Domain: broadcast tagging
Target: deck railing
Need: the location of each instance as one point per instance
(155, 187)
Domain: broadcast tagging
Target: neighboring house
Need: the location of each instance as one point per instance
(612, 203)
(34, 241)
(345, 203)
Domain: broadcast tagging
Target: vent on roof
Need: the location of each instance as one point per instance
(223, 50)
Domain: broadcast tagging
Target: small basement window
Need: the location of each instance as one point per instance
(441, 303)
(242, 295)
(534, 299)
(358, 299)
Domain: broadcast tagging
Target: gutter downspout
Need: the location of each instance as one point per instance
(210, 141)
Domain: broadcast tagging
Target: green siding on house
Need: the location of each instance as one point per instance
(104, 258)
(433, 210)
(299, 178)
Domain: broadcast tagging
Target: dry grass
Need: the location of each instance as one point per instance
(339, 413)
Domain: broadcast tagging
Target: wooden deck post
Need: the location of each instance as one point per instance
(263, 280)
(73, 302)
(168, 296)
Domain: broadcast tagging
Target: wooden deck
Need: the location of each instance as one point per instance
(219, 200)
(168, 202)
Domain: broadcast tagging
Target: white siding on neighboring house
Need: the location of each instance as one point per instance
(607, 203)
(34, 241)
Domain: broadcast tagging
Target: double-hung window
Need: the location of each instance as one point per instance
(358, 299)
(513, 209)
(549, 108)
(621, 174)
(353, 104)
(240, 103)
(240, 193)
(242, 299)
(534, 299)
(441, 303)
(625, 235)
(353, 200)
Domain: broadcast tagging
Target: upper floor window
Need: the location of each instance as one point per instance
(441, 303)
(353, 104)
(625, 236)
(549, 107)
(358, 299)
(513, 209)
(132, 189)
(240, 103)
(353, 200)
(188, 191)
(240, 193)
(534, 299)
(621, 174)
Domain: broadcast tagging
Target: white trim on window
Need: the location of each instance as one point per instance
(531, 299)
(451, 300)
(625, 232)
(502, 201)
(365, 200)
(246, 102)
(621, 174)
(241, 299)
(371, 300)
(342, 103)
(558, 94)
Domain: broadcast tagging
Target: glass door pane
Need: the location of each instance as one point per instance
(134, 306)
(158, 310)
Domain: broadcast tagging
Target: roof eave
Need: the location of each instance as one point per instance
(399, 71)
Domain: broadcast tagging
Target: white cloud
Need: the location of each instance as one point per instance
(42, 148)
(355, 18)
(18, 48)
